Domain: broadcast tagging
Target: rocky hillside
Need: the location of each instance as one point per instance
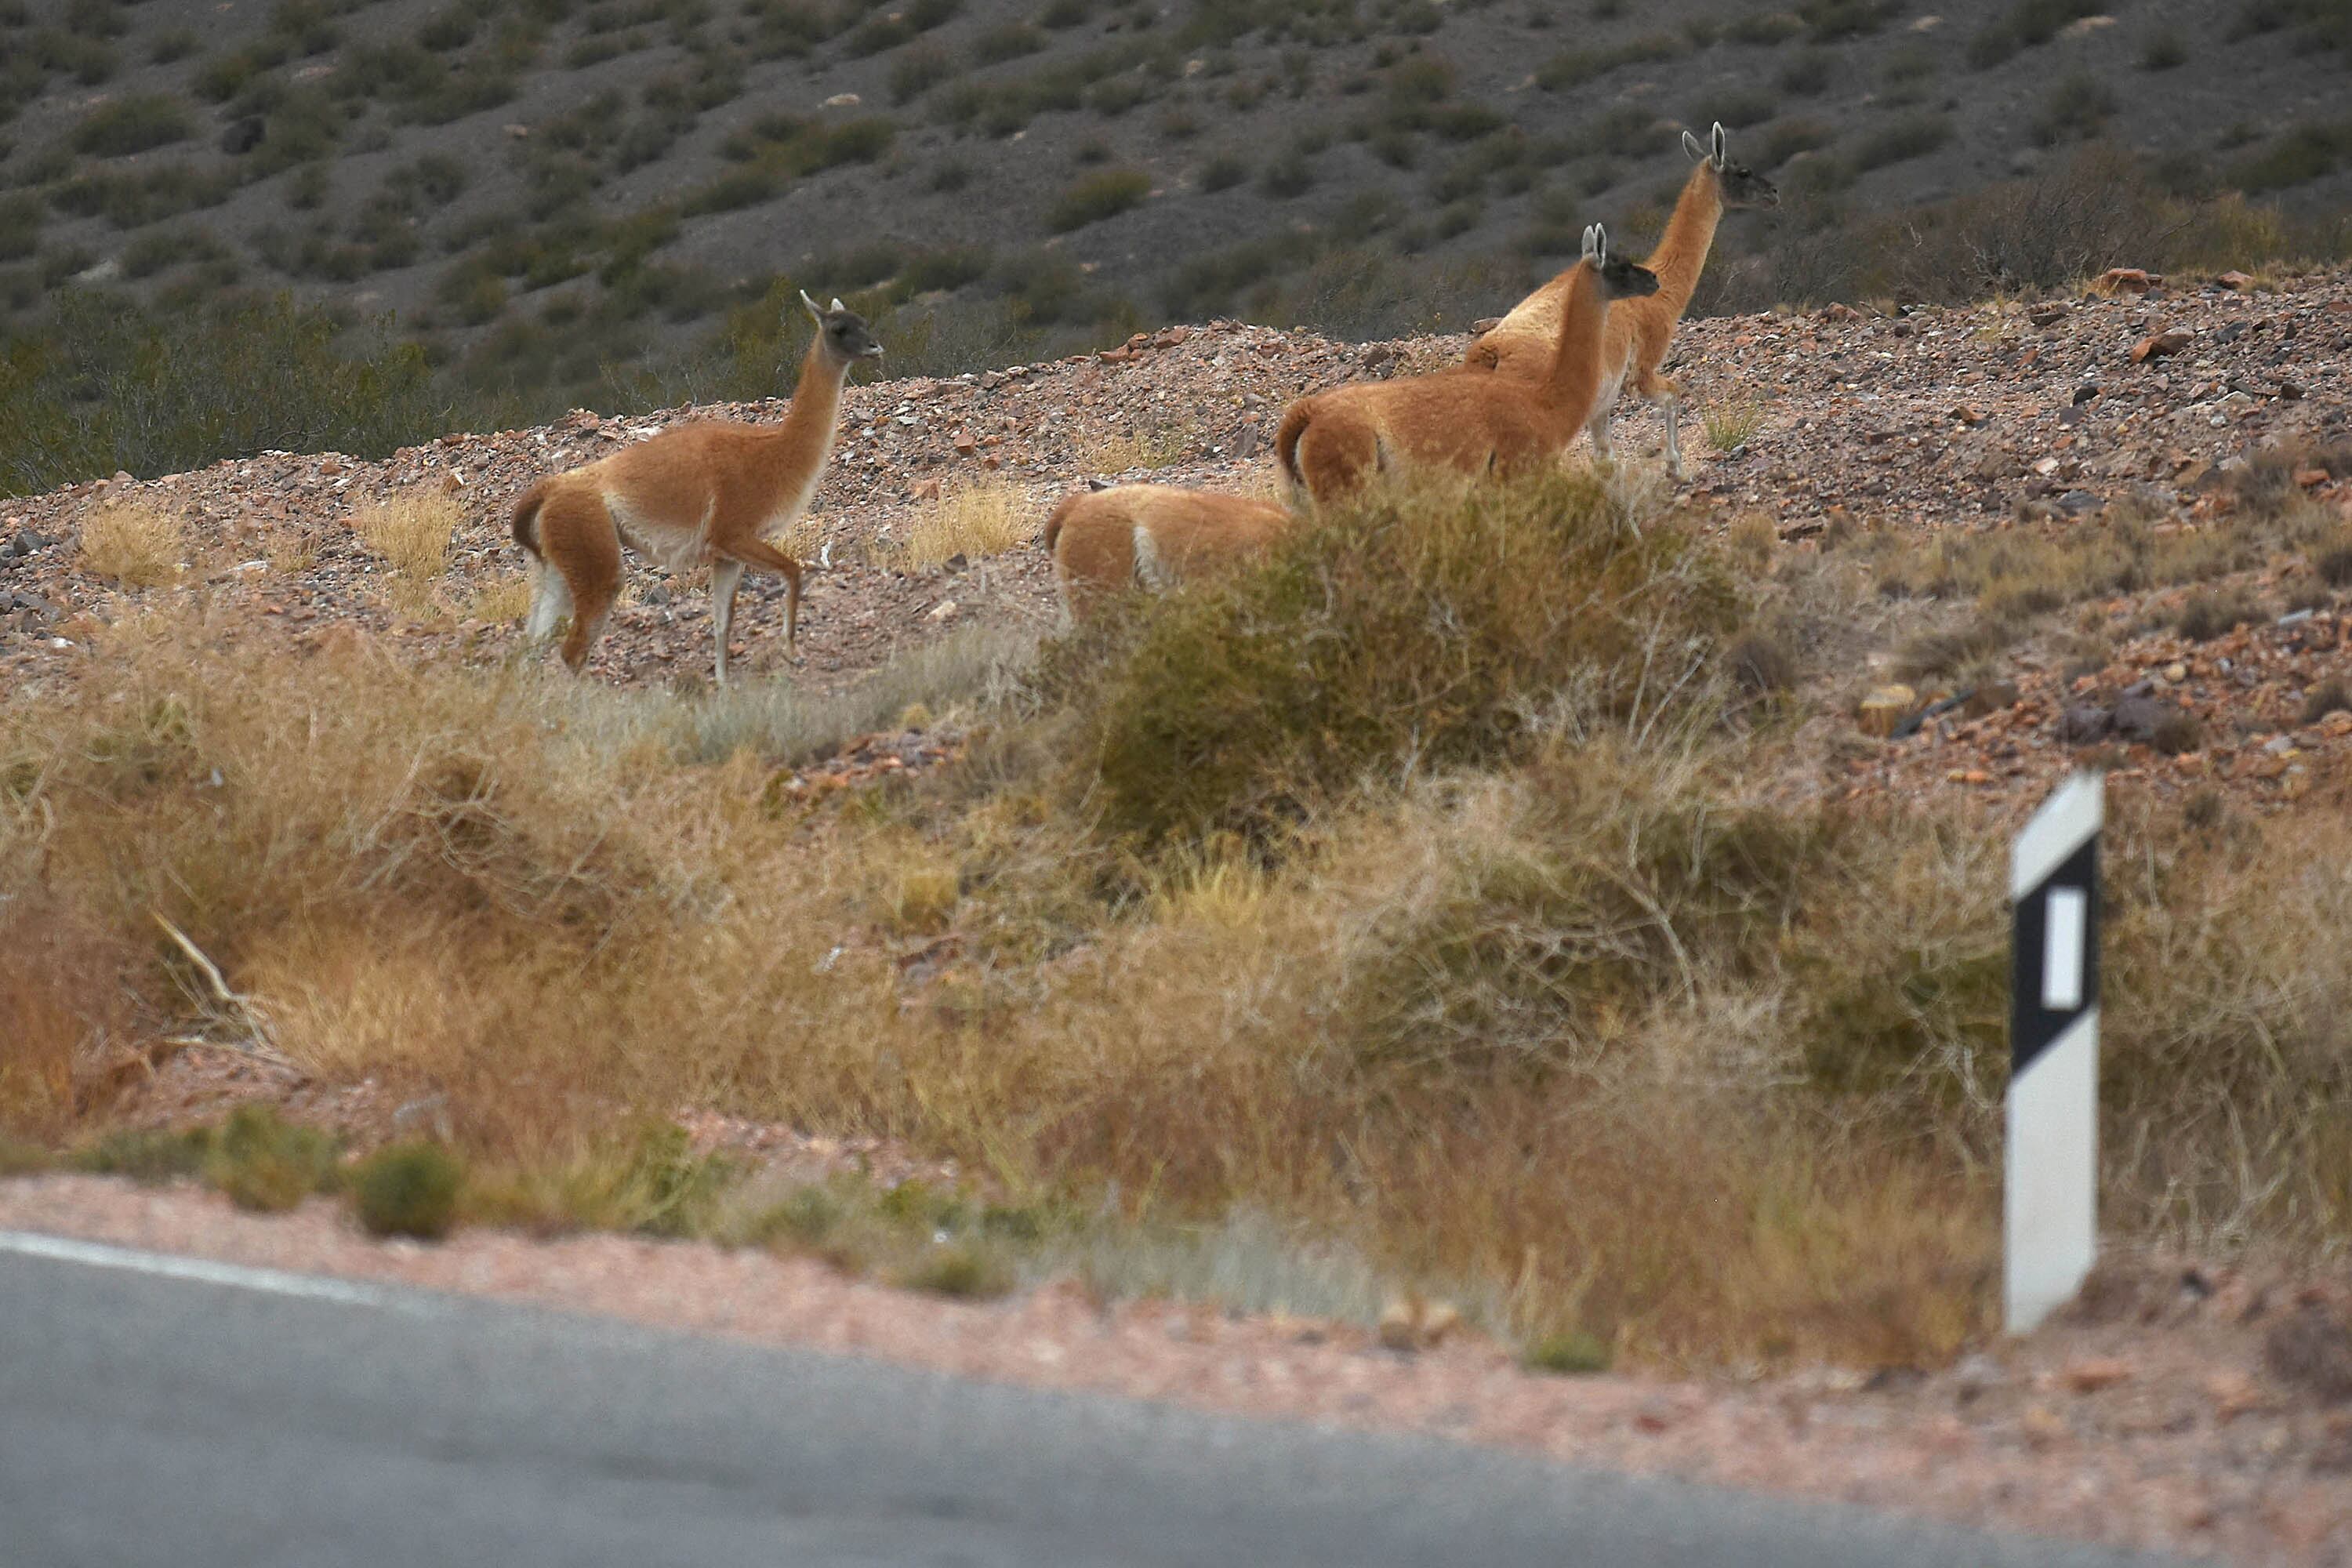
(554, 189)
(2066, 519)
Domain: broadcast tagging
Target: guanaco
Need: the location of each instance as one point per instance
(1332, 442)
(1640, 331)
(702, 494)
(1105, 541)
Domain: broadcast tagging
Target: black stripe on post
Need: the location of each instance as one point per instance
(2032, 1024)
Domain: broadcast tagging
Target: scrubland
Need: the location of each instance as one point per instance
(1428, 908)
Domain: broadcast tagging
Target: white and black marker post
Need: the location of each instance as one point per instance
(2051, 1183)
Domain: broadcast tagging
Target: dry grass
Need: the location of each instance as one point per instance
(132, 542)
(986, 517)
(411, 532)
(290, 547)
(1129, 449)
(1731, 421)
(500, 600)
(1542, 1013)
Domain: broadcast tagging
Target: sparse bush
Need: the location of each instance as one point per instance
(1809, 74)
(2206, 616)
(132, 124)
(407, 1189)
(2330, 696)
(1574, 67)
(958, 1269)
(918, 70)
(2076, 108)
(147, 1156)
(1102, 195)
(262, 1161)
(1899, 141)
(1288, 176)
(1236, 709)
(2165, 50)
(1567, 1353)
(1223, 172)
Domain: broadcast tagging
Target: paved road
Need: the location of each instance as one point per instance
(191, 1421)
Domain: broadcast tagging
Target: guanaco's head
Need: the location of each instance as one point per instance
(843, 331)
(1620, 279)
(1739, 185)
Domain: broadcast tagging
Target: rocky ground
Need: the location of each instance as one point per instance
(2182, 1407)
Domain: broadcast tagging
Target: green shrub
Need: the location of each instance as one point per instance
(2298, 155)
(1416, 631)
(133, 124)
(407, 1189)
(1573, 68)
(2165, 50)
(2075, 108)
(1288, 176)
(20, 226)
(1223, 172)
(262, 1161)
(918, 70)
(1006, 41)
(963, 1270)
(1567, 1353)
(1105, 194)
(148, 1157)
(1899, 141)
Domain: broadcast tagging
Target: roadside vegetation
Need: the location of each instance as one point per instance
(1412, 913)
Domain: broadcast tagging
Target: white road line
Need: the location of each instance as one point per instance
(166, 1266)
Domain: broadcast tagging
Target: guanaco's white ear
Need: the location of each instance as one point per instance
(837, 304)
(812, 307)
(1718, 139)
(1691, 145)
(1591, 237)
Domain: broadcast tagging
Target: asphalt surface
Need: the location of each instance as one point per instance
(192, 1422)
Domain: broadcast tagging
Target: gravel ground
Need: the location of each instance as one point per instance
(2176, 1408)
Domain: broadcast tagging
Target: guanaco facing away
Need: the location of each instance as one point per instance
(1105, 540)
(1638, 329)
(700, 495)
(1468, 420)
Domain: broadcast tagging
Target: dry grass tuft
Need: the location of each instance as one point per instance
(134, 542)
(413, 532)
(987, 517)
(1137, 448)
(1732, 421)
(500, 600)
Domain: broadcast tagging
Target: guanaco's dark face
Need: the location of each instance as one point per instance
(846, 336)
(1620, 279)
(1744, 187)
(1739, 185)
(1623, 279)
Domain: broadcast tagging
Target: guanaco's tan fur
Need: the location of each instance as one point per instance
(1333, 442)
(1151, 537)
(700, 495)
(1640, 329)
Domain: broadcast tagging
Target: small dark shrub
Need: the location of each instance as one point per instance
(2166, 50)
(2075, 108)
(1223, 172)
(960, 1269)
(2206, 616)
(407, 1189)
(1099, 195)
(1289, 176)
(2330, 696)
(1899, 141)
(133, 124)
(146, 1157)
(262, 1161)
(1567, 1353)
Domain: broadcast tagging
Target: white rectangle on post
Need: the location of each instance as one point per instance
(2062, 949)
(2050, 1223)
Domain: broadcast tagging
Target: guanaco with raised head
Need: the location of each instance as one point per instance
(703, 494)
(1478, 424)
(1640, 331)
(1106, 541)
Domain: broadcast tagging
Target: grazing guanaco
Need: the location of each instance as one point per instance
(1476, 423)
(1105, 540)
(702, 494)
(1638, 329)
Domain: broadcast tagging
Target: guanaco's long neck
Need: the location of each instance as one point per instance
(1575, 376)
(1682, 250)
(802, 442)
